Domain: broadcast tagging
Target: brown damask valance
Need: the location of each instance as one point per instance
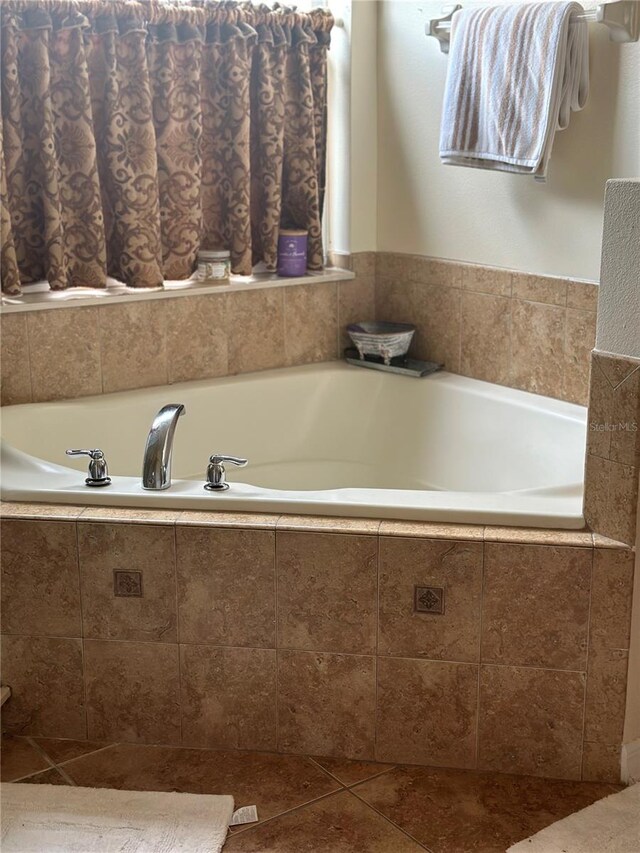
(135, 133)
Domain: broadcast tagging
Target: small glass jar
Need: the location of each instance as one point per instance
(213, 265)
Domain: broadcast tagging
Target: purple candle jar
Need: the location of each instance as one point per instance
(292, 252)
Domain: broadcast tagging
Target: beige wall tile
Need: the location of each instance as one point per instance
(537, 347)
(256, 330)
(64, 353)
(583, 295)
(326, 704)
(432, 530)
(311, 322)
(196, 337)
(228, 697)
(15, 369)
(601, 762)
(427, 712)
(148, 551)
(133, 345)
(364, 264)
(539, 288)
(538, 536)
(47, 694)
(625, 418)
(531, 721)
(436, 314)
(226, 586)
(327, 592)
(606, 695)
(621, 508)
(52, 512)
(487, 280)
(356, 303)
(133, 691)
(244, 520)
(535, 609)
(580, 338)
(128, 515)
(432, 271)
(328, 524)
(40, 583)
(600, 412)
(455, 567)
(611, 597)
(486, 337)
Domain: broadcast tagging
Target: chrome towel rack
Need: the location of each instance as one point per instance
(621, 17)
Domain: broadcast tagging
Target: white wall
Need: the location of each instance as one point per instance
(482, 217)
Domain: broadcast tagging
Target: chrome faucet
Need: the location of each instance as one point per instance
(156, 467)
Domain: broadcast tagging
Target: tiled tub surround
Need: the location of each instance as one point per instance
(530, 332)
(299, 635)
(155, 339)
(613, 447)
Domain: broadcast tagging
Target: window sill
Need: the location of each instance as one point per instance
(118, 293)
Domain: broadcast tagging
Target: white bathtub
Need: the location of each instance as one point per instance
(326, 439)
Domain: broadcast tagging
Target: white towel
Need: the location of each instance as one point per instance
(515, 73)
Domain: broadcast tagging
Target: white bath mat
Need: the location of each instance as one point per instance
(611, 825)
(61, 819)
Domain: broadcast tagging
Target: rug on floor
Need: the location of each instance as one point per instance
(61, 819)
(611, 825)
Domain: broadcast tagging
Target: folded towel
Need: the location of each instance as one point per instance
(515, 73)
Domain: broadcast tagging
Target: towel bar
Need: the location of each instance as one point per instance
(621, 17)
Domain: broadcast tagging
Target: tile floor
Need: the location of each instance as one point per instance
(319, 805)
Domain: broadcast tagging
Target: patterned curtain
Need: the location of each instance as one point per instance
(135, 133)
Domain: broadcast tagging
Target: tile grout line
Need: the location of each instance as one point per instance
(387, 819)
(299, 808)
(61, 764)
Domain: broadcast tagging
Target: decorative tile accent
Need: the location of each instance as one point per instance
(429, 599)
(47, 694)
(226, 586)
(427, 712)
(127, 584)
(487, 280)
(40, 582)
(321, 524)
(133, 691)
(228, 697)
(539, 288)
(128, 581)
(409, 563)
(531, 721)
(327, 592)
(535, 608)
(430, 530)
(326, 704)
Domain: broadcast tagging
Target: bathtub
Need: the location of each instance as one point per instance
(327, 439)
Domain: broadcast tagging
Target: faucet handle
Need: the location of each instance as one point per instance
(98, 471)
(216, 478)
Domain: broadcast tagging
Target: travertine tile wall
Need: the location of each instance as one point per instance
(299, 635)
(525, 331)
(74, 352)
(612, 467)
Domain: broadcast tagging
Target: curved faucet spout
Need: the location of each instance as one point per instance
(156, 467)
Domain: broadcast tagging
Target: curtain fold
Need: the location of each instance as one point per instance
(135, 133)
